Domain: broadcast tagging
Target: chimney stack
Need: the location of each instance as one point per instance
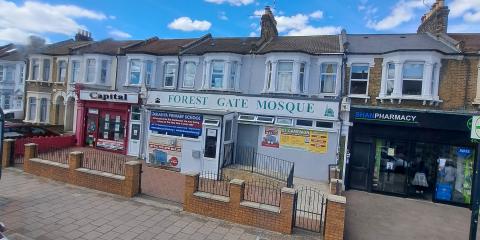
(435, 21)
(269, 25)
(83, 35)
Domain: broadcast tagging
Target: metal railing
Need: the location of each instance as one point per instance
(104, 161)
(263, 191)
(248, 159)
(213, 183)
(59, 155)
(309, 213)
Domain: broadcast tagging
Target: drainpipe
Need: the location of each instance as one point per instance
(179, 63)
(342, 74)
(114, 85)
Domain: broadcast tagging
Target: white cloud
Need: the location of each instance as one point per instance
(469, 10)
(112, 17)
(232, 2)
(403, 11)
(286, 23)
(222, 16)
(118, 34)
(309, 30)
(316, 15)
(35, 18)
(252, 34)
(186, 24)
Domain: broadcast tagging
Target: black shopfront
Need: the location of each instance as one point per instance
(418, 154)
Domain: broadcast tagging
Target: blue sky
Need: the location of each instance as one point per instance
(57, 20)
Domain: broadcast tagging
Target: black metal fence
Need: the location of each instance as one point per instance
(104, 161)
(263, 191)
(59, 155)
(214, 183)
(248, 159)
(309, 211)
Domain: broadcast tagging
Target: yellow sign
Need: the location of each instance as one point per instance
(312, 141)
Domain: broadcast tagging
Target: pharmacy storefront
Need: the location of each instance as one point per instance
(199, 132)
(419, 154)
(105, 121)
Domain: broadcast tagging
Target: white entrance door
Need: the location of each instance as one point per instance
(211, 144)
(135, 131)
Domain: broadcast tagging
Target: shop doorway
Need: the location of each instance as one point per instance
(91, 128)
(360, 165)
(135, 128)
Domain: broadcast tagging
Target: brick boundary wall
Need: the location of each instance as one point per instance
(235, 209)
(7, 153)
(127, 186)
(163, 183)
(335, 212)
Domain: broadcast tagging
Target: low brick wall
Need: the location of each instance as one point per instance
(128, 185)
(163, 183)
(235, 209)
(335, 211)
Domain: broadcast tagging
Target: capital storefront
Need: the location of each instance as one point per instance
(199, 132)
(105, 118)
(420, 154)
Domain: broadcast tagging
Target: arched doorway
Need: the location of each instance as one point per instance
(59, 110)
(70, 114)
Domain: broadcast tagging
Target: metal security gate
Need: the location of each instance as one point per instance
(310, 208)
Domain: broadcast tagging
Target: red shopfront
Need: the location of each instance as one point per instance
(104, 119)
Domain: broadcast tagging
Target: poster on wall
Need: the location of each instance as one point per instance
(176, 124)
(165, 152)
(271, 137)
(307, 140)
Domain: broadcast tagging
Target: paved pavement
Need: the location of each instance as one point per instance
(373, 216)
(38, 208)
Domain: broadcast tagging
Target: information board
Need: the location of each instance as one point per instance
(176, 124)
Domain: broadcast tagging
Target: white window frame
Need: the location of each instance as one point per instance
(430, 81)
(31, 113)
(292, 76)
(75, 76)
(35, 64)
(99, 59)
(390, 79)
(104, 66)
(148, 76)
(185, 73)
(44, 74)
(229, 61)
(130, 71)
(359, 80)
(271, 82)
(301, 77)
(59, 71)
(89, 68)
(328, 74)
(165, 65)
(421, 80)
(144, 59)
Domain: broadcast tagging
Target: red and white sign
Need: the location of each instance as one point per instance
(173, 161)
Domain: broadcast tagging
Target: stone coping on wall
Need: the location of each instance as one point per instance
(100, 173)
(212, 196)
(260, 206)
(337, 199)
(52, 163)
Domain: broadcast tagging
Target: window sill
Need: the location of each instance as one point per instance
(430, 100)
(360, 96)
(220, 90)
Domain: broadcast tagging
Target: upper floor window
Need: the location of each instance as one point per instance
(218, 72)
(62, 71)
(43, 109)
(284, 76)
(46, 69)
(32, 108)
(359, 79)
(75, 71)
(35, 69)
(104, 71)
(189, 74)
(91, 70)
(169, 74)
(135, 67)
(328, 77)
(22, 74)
(301, 77)
(148, 72)
(233, 75)
(269, 74)
(412, 78)
(1, 72)
(390, 78)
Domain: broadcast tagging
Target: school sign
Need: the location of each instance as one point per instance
(246, 104)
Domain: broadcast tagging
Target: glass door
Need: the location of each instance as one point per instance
(91, 129)
(360, 165)
(391, 166)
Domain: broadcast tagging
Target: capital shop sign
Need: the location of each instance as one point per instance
(109, 96)
(248, 105)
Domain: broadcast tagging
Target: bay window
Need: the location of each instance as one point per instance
(135, 66)
(218, 72)
(32, 108)
(189, 74)
(359, 79)
(169, 74)
(62, 71)
(390, 78)
(328, 77)
(75, 71)
(43, 109)
(91, 70)
(2, 70)
(46, 70)
(233, 75)
(301, 77)
(35, 69)
(269, 75)
(103, 71)
(284, 76)
(22, 74)
(148, 72)
(412, 78)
